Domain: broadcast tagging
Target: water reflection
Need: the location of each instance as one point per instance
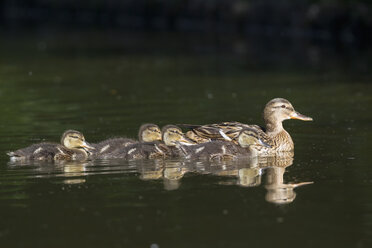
(73, 170)
(248, 172)
(277, 191)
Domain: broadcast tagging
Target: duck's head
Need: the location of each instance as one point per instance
(173, 135)
(280, 109)
(149, 132)
(75, 140)
(248, 137)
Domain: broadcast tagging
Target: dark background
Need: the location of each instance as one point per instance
(340, 22)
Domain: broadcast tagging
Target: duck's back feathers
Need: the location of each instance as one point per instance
(141, 150)
(41, 151)
(226, 131)
(46, 151)
(108, 146)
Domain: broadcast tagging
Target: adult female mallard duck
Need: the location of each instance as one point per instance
(72, 147)
(249, 143)
(108, 148)
(276, 111)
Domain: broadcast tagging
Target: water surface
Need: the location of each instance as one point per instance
(108, 84)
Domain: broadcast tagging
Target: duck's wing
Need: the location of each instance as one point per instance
(263, 138)
(222, 131)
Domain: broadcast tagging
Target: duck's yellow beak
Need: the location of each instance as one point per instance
(298, 116)
(87, 146)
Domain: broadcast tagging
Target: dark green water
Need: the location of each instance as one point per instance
(108, 84)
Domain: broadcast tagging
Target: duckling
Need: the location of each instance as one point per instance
(249, 144)
(149, 132)
(73, 147)
(173, 137)
(155, 149)
(108, 148)
(275, 112)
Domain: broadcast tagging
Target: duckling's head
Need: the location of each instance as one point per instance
(248, 137)
(75, 140)
(173, 135)
(280, 109)
(149, 132)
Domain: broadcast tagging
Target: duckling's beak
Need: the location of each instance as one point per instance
(158, 136)
(87, 146)
(264, 143)
(298, 116)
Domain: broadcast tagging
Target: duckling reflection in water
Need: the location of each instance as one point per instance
(249, 177)
(72, 147)
(170, 171)
(173, 173)
(152, 170)
(112, 148)
(222, 150)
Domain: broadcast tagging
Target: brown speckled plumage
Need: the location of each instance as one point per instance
(276, 111)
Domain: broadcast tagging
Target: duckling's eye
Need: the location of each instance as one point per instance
(283, 106)
(75, 137)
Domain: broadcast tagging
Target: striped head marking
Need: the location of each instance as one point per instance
(149, 133)
(172, 135)
(75, 140)
(280, 109)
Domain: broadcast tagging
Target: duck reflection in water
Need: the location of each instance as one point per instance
(247, 173)
(72, 172)
(278, 192)
(75, 172)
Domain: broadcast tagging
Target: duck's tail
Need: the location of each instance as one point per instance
(14, 156)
